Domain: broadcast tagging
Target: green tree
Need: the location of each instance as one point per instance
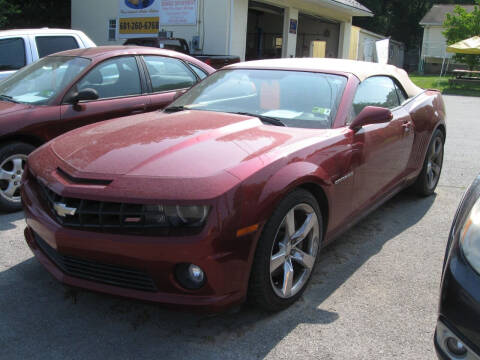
(400, 19)
(7, 9)
(462, 25)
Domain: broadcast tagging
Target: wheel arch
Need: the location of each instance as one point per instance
(22, 138)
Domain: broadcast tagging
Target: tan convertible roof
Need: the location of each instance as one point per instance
(361, 69)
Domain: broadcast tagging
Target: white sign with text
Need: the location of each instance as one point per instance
(178, 12)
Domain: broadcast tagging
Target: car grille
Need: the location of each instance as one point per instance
(101, 215)
(93, 271)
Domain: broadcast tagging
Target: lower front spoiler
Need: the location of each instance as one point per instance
(186, 302)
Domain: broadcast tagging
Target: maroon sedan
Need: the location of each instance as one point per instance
(74, 88)
(232, 190)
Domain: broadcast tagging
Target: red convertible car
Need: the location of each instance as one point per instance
(233, 189)
(73, 88)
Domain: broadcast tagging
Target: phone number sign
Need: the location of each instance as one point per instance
(178, 12)
(139, 26)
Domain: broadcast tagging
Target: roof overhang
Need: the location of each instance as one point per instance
(340, 6)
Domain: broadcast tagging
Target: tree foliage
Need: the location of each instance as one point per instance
(400, 19)
(34, 13)
(462, 25)
(7, 9)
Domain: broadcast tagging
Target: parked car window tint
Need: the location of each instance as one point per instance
(112, 78)
(12, 54)
(168, 74)
(47, 45)
(297, 98)
(201, 74)
(41, 81)
(376, 91)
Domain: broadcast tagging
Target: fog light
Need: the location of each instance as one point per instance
(190, 276)
(456, 347)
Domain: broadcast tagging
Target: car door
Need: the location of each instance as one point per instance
(381, 151)
(167, 76)
(120, 88)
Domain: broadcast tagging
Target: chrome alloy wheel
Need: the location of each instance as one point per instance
(435, 161)
(294, 251)
(11, 171)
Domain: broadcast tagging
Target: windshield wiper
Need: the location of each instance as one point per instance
(263, 118)
(172, 109)
(8, 98)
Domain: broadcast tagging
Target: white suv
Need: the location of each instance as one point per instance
(22, 47)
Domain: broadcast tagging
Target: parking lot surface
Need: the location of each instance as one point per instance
(373, 295)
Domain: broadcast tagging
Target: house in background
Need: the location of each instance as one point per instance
(251, 29)
(434, 44)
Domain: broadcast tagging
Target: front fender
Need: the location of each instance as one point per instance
(268, 194)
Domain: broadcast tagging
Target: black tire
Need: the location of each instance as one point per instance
(423, 185)
(8, 152)
(261, 287)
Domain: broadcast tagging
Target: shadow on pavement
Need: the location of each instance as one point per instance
(42, 319)
(7, 220)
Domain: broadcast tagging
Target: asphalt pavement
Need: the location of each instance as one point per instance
(374, 294)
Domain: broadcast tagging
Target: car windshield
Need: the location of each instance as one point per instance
(40, 82)
(296, 98)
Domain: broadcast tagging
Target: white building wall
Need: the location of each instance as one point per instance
(434, 43)
(92, 18)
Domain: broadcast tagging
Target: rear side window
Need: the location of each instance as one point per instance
(402, 96)
(47, 45)
(168, 74)
(201, 74)
(376, 91)
(12, 54)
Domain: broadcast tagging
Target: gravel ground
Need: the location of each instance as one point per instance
(374, 294)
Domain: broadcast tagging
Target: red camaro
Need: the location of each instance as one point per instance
(74, 88)
(232, 190)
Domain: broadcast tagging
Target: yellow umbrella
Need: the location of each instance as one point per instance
(468, 46)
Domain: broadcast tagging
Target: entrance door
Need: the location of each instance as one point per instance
(264, 31)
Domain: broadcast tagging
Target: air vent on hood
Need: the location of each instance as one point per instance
(82, 181)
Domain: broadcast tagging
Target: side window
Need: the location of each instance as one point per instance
(201, 74)
(47, 45)
(375, 91)
(168, 74)
(402, 96)
(113, 78)
(12, 54)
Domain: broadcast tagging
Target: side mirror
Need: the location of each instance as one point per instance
(371, 115)
(84, 95)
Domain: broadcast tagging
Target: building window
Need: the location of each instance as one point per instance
(112, 30)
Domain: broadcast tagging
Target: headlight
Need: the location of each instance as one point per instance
(470, 237)
(176, 215)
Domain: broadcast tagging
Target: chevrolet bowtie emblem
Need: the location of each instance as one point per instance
(63, 210)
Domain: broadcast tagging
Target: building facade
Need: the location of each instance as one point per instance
(251, 29)
(434, 45)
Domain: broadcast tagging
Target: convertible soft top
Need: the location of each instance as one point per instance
(361, 69)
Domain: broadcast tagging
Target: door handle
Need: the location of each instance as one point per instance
(407, 126)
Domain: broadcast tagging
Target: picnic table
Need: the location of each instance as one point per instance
(466, 74)
(464, 77)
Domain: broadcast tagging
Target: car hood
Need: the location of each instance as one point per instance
(187, 144)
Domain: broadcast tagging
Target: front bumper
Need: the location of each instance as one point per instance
(442, 333)
(225, 259)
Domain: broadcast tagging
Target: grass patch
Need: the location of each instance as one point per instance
(442, 84)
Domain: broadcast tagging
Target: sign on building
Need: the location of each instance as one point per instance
(138, 18)
(178, 12)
